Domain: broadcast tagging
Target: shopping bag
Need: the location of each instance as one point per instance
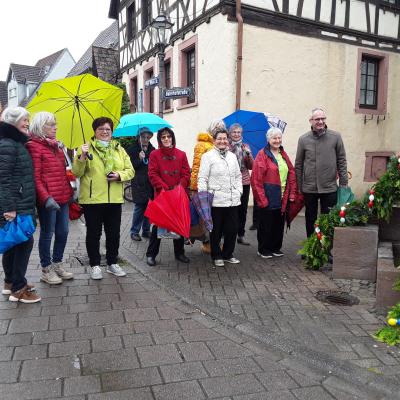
(344, 195)
(15, 232)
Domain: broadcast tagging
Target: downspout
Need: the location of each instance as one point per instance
(239, 58)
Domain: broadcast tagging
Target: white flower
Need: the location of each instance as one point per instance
(342, 220)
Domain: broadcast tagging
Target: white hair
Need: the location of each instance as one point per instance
(271, 132)
(314, 110)
(39, 121)
(12, 115)
(217, 125)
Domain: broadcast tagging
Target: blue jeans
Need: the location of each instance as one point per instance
(139, 220)
(52, 223)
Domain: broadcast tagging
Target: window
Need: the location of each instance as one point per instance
(188, 69)
(369, 82)
(167, 72)
(133, 94)
(191, 70)
(146, 13)
(131, 21)
(372, 82)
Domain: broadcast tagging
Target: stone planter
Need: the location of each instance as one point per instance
(390, 232)
(355, 252)
(387, 274)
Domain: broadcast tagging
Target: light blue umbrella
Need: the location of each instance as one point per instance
(130, 124)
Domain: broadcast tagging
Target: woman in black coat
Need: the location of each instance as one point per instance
(142, 191)
(17, 196)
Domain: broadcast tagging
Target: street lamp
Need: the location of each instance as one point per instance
(161, 30)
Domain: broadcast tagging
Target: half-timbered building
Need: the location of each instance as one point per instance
(283, 57)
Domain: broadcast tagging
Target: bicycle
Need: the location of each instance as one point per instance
(128, 192)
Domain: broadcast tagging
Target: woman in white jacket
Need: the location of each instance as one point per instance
(220, 174)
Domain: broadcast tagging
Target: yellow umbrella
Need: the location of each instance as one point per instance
(76, 102)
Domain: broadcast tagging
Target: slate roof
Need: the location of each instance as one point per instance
(3, 94)
(49, 60)
(27, 73)
(106, 39)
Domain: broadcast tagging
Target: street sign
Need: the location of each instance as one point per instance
(178, 92)
(155, 81)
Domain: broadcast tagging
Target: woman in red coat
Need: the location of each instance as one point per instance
(53, 193)
(274, 184)
(168, 167)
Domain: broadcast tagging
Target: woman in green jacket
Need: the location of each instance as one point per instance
(102, 166)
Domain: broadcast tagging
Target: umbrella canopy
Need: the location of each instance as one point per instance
(130, 124)
(255, 126)
(170, 210)
(202, 201)
(293, 208)
(76, 102)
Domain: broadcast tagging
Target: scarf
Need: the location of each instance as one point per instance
(52, 142)
(238, 151)
(222, 152)
(106, 154)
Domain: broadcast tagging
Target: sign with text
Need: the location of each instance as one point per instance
(178, 92)
(150, 83)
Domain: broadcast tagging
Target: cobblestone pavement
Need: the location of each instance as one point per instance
(190, 332)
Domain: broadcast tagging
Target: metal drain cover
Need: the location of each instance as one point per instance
(336, 297)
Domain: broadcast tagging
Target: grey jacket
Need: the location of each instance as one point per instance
(319, 159)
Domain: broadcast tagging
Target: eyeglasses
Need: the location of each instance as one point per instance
(164, 137)
(103, 130)
(319, 119)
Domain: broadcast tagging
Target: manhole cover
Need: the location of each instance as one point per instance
(336, 297)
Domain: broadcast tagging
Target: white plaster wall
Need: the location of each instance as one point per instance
(358, 18)
(388, 24)
(317, 73)
(61, 68)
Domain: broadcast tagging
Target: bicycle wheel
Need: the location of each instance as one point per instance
(128, 193)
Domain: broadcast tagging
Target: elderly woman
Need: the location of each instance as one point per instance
(245, 160)
(102, 166)
(274, 184)
(220, 174)
(168, 167)
(17, 196)
(53, 193)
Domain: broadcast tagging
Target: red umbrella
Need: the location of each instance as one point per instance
(170, 210)
(293, 208)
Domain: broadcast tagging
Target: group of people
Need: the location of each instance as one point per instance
(33, 174)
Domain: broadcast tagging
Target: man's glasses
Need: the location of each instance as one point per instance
(319, 119)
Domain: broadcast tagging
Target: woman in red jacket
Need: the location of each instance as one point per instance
(53, 193)
(168, 167)
(274, 184)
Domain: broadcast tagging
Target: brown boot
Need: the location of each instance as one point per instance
(7, 288)
(24, 295)
(206, 248)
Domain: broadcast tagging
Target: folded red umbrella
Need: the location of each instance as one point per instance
(293, 208)
(170, 210)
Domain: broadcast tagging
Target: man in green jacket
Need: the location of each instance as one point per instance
(320, 159)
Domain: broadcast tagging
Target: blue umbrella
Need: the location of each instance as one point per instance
(255, 126)
(130, 124)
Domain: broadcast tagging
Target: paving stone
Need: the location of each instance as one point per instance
(156, 326)
(21, 312)
(18, 339)
(60, 291)
(275, 395)
(69, 348)
(30, 390)
(312, 393)
(195, 335)
(100, 318)
(85, 332)
(137, 340)
(130, 379)
(82, 290)
(54, 310)
(47, 337)
(231, 385)
(50, 368)
(158, 355)
(106, 344)
(107, 361)
(276, 380)
(227, 349)
(28, 324)
(30, 352)
(141, 314)
(105, 297)
(183, 372)
(3, 326)
(6, 353)
(63, 321)
(167, 337)
(231, 366)
(130, 394)
(74, 300)
(166, 312)
(82, 385)
(89, 307)
(9, 371)
(195, 351)
(179, 391)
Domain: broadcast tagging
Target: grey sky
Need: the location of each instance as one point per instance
(33, 29)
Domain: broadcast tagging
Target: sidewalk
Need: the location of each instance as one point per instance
(252, 331)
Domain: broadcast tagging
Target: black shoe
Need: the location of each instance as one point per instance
(182, 258)
(151, 261)
(146, 235)
(136, 237)
(253, 227)
(242, 241)
(330, 259)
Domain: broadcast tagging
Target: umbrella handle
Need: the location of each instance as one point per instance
(89, 156)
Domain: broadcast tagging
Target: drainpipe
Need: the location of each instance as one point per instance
(239, 58)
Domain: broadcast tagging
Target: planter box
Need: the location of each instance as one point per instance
(355, 252)
(390, 232)
(387, 275)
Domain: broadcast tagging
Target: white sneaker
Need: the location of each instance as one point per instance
(49, 276)
(219, 263)
(116, 270)
(95, 272)
(232, 260)
(61, 272)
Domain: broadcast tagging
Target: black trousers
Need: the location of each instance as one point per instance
(270, 230)
(154, 245)
(256, 211)
(15, 264)
(327, 201)
(244, 201)
(225, 222)
(97, 216)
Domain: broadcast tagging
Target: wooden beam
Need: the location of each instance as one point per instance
(368, 16)
(376, 27)
(333, 12)
(300, 8)
(318, 10)
(275, 5)
(347, 15)
(285, 6)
